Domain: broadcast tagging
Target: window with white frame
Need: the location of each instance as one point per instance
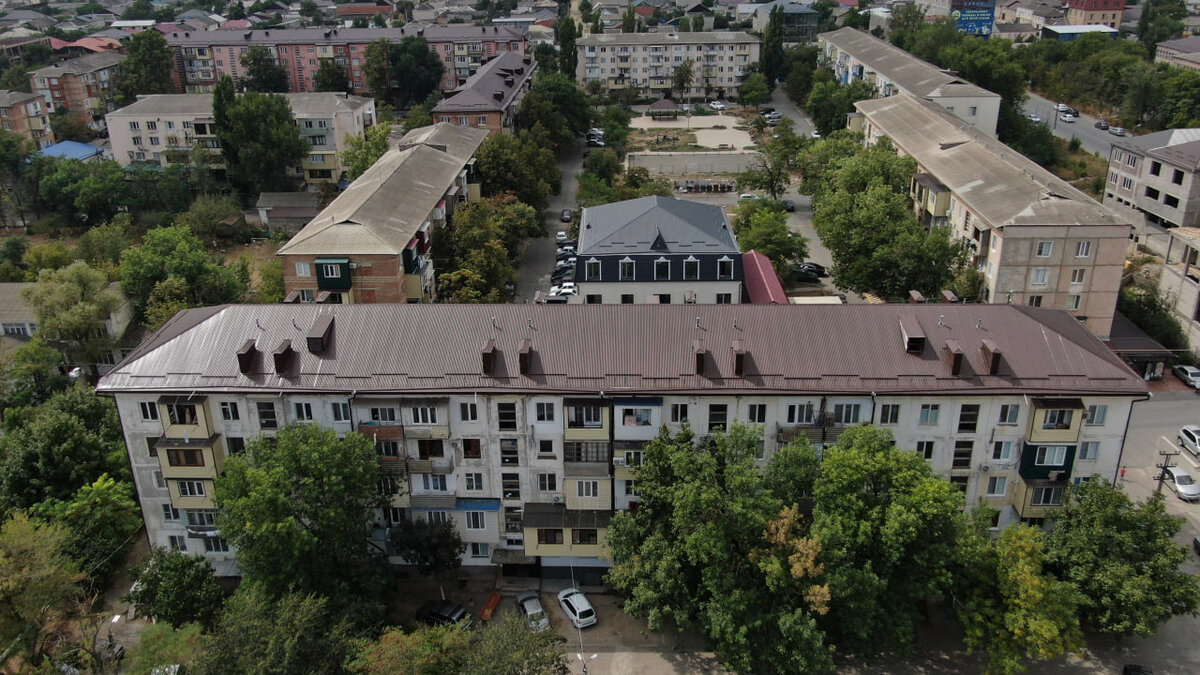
(757, 413)
(341, 411)
(1047, 496)
(1089, 450)
(1083, 249)
(1008, 414)
(1045, 249)
(545, 412)
(1078, 275)
(304, 412)
(1096, 414)
(170, 513)
(1040, 276)
(1002, 451)
(800, 413)
(1051, 455)
(725, 268)
(547, 482)
(434, 481)
(149, 410)
(846, 413)
(929, 413)
(1057, 419)
(662, 269)
(331, 271)
(190, 488)
(691, 269)
(631, 488)
(474, 481)
(1073, 301)
(997, 486)
(383, 414)
(925, 449)
(587, 488)
(229, 411)
(635, 417)
(591, 270)
(479, 550)
(625, 270)
(424, 414)
(303, 269)
(181, 413)
(475, 520)
(889, 413)
(469, 412)
(679, 413)
(437, 517)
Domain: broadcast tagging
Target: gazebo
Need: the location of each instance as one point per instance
(664, 109)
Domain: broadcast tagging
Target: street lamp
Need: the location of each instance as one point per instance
(585, 663)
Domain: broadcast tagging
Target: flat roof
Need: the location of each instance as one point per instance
(700, 38)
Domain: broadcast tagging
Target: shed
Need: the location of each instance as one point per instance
(664, 109)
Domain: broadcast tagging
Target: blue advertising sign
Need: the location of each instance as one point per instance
(974, 17)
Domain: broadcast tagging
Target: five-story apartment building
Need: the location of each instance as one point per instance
(647, 61)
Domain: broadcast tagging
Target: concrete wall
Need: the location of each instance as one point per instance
(680, 163)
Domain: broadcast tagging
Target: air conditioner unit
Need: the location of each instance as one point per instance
(556, 499)
(985, 468)
(618, 461)
(353, 266)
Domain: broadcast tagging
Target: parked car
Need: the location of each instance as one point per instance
(560, 237)
(1102, 124)
(1179, 480)
(443, 612)
(1036, 119)
(1196, 544)
(1066, 117)
(717, 105)
(774, 115)
(815, 267)
(555, 300)
(767, 111)
(596, 131)
(565, 288)
(815, 134)
(1117, 131)
(804, 275)
(577, 608)
(566, 264)
(789, 205)
(1073, 112)
(1189, 438)
(1189, 375)
(595, 143)
(1061, 107)
(772, 121)
(564, 251)
(685, 107)
(566, 216)
(530, 607)
(748, 195)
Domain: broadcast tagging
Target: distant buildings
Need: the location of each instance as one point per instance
(646, 62)
(19, 324)
(1095, 12)
(26, 115)
(1153, 181)
(490, 98)
(1181, 53)
(83, 85)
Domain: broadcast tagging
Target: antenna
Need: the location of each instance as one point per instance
(256, 323)
(294, 325)
(979, 323)
(735, 324)
(697, 322)
(529, 322)
(942, 320)
(494, 324)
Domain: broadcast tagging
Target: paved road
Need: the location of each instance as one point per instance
(1093, 139)
(538, 260)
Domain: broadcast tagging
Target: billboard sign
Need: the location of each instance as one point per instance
(974, 17)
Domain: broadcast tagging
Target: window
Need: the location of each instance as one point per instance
(587, 488)
(181, 413)
(1155, 168)
(1008, 414)
(304, 412)
(341, 411)
(925, 449)
(472, 448)
(479, 550)
(1096, 414)
(929, 413)
(691, 269)
(388, 448)
(331, 271)
(469, 412)
(437, 517)
(724, 298)
(266, 415)
(725, 268)
(424, 414)
(159, 481)
(757, 413)
(717, 416)
(1035, 301)
(149, 410)
(664, 298)
(1089, 450)
(625, 270)
(185, 457)
(1056, 419)
(547, 482)
(800, 414)
(170, 512)
(307, 295)
(971, 110)
(1078, 275)
(846, 413)
(585, 536)
(510, 485)
(549, 536)
(962, 455)
(635, 417)
(1083, 249)
(509, 454)
(545, 412)
(177, 542)
(968, 418)
(545, 449)
(134, 126)
(1045, 249)
(1073, 301)
(202, 517)
(303, 269)
(434, 481)
(889, 413)
(997, 486)
(679, 413)
(1126, 182)
(662, 269)
(591, 270)
(1002, 451)
(429, 448)
(593, 299)
(1177, 177)
(1171, 201)
(506, 414)
(475, 520)
(1047, 496)
(1051, 455)
(1040, 276)
(585, 417)
(1152, 193)
(235, 445)
(190, 488)
(627, 298)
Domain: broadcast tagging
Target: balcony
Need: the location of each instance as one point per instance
(1055, 420)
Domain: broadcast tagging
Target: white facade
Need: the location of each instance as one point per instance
(661, 292)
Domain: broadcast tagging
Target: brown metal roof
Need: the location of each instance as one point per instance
(579, 349)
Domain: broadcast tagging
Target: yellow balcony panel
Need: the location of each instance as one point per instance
(551, 529)
(587, 493)
(1055, 420)
(184, 417)
(193, 458)
(191, 501)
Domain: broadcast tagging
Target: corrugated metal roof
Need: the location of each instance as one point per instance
(422, 349)
(87, 63)
(12, 307)
(633, 226)
(762, 283)
(477, 93)
(915, 76)
(383, 208)
(701, 38)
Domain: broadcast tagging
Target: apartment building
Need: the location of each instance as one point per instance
(1179, 281)
(19, 324)
(1181, 53)
(1095, 12)
(373, 243)
(857, 55)
(83, 86)
(25, 115)
(647, 61)
(523, 424)
(489, 99)
(1037, 240)
(659, 250)
(161, 129)
(1152, 181)
(201, 57)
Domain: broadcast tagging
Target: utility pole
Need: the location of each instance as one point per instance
(1162, 466)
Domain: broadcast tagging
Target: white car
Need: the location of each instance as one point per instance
(1061, 107)
(1189, 375)
(1189, 438)
(1182, 483)
(1036, 119)
(717, 105)
(1066, 117)
(530, 607)
(577, 608)
(815, 134)
(748, 195)
(566, 288)
(560, 237)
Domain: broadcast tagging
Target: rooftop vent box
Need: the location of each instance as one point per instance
(247, 357)
(991, 356)
(319, 336)
(488, 354)
(285, 358)
(912, 334)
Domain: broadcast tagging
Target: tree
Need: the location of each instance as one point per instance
(177, 588)
(1123, 559)
(768, 233)
(681, 79)
(772, 47)
(331, 77)
(168, 298)
(270, 288)
(176, 252)
(146, 68)
(162, 645)
(46, 257)
(519, 165)
(102, 519)
(70, 126)
(263, 74)
(82, 193)
(34, 373)
(362, 152)
(753, 91)
(265, 633)
(204, 217)
(377, 69)
(73, 306)
(559, 106)
(829, 103)
(102, 245)
(267, 139)
(430, 547)
(402, 72)
(300, 508)
(38, 586)
(546, 56)
(429, 650)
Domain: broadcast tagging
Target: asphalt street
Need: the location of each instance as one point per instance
(1095, 140)
(538, 261)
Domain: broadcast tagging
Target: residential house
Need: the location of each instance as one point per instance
(646, 62)
(163, 128)
(83, 152)
(13, 48)
(658, 250)
(287, 211)
(490, 98)
(373, 242)
(524, 424)
(25, 115)
(1034, 13)
(1152, 181)
(1067, 33)
(1037, 240)
(1095, 12)
(857, 55)
(84, 86)
(19, 323)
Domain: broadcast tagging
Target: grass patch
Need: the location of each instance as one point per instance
(1081, 168)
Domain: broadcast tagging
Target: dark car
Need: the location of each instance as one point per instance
(1102, 125)
(555, 300)
(789, 205)
(565, 274)
(804, 275)
(817, 269)
(767, 111)
(443, 612)
(1073, 112)
(566, 216)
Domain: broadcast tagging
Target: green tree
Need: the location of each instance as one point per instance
(429, 650)
(363, 151)
(830, 102)
(568, 57)
(1147, 310)
(34, 373)
(168, 298)
(146, 68)
(402, 72)
(771, 58)
(559, 107)
(263, 73)
(267, 142)
(38, 586)
(519, 165)
(176, 588)
(768, 233)
(1123, 559)
(70, 126)
(46, 257)
(205, 214)
(102, 519)
(377, 69)
(546, 56)
(753, 90)
(162, 645)
(430, 547)
(176, 252)
(102, 245)
(629, 20)
(82, 193)
(331, 77)
(681, 79)
(73, 306)
(270, 288)
(799, 68)
(300, 508)
(905, 24)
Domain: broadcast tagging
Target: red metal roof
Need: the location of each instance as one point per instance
(762, 283)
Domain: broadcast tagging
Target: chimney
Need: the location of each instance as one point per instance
(498, 95)
(991, 356)
(320, 334)
(699, 352)
(508, 81)
(285, 358)
(955, 354)
(915, 298)
(525, 356)
(949, 297)
(247, 357)
(912, 334)
(526, 60)
(739, 358)
(489, 357)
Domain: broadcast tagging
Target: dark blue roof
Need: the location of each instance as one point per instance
(72, 150)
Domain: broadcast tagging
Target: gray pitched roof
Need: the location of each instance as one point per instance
(635, 225)
(87, 63)
(477, 94)
(302, 104)
(1177, 146)
(11, 98)
(1187, 45)
(383, 208)
(331, 36)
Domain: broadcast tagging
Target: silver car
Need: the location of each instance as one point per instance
(1189, 375)
(577, 608)
(1189, 438)
(1182, 483)
(530, 607)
